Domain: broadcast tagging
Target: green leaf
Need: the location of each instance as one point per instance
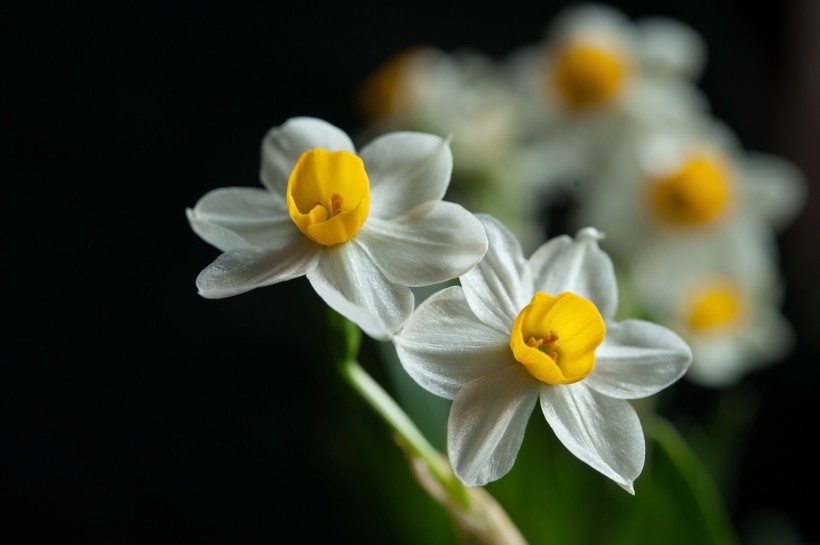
(677, 501)
(555, 498)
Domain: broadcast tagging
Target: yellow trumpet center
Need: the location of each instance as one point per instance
(697, 194)
(328, 195)
(718, 306)
(587, 76)
(555, 337)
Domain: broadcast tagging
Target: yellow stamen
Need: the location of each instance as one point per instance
(587, 76)
(548, 346)
(328, 195)
(697, 194)
(717, 306)
(534, 339)
(336, 201)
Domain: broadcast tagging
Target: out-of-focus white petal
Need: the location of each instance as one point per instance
(579, 266)
(348, 280)
(283, 145)
(487, 421)
(666, 275)
(771, 336)
(601, 431)
(406, 169)
(435, 242)
(239, 270)
(501, 285)
(242, 217)
(669, 46)
(590, 19)
(722, 360)
(663, 103)
(638, 359)
(547, 166)
(775, 188)
(442, 346)
(719, 362)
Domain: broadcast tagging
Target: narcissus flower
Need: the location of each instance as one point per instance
(722, 295)
(462, 92)
(685, 182)
(593, 60)
(595, 77)
(362, 227)
(518, 332)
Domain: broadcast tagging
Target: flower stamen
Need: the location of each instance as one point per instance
(336, 201)
(548, 346)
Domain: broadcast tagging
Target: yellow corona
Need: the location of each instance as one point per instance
(328, 195)
(555, 337)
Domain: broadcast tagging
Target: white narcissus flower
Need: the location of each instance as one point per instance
(363, 228)
(460, 93)
(521, 331)
(595, 75)
(687, 182)
(722, 295)
(594, 61)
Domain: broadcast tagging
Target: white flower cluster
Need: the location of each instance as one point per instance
(603, 109)
(366, 226)
(603, 116)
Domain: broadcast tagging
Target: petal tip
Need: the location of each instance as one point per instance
(590, 234)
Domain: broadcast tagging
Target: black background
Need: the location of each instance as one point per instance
(134, 411)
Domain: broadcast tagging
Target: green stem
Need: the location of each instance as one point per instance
(387, 408)
(346, 340)
(479, 519)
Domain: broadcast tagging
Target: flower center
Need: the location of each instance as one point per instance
(717, 306)
(555, 337)
(587, 76)
(697, 194)
(328, 195)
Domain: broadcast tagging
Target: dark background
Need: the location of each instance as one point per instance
(134, 411)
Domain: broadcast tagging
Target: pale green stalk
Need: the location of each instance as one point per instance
(478, 518)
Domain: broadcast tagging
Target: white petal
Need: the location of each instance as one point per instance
(240, 270)
(578, 266)
(638, 359)
(591, 18)
(283, 145)
(406, 169)
(718, 362)
(443, 345)
(348, 280)
(602, 432)
(501, 285)
(242, 217)
(548, 166)
(667, 45)
(434, 243)
(721, 361)
(776, 188)
(658, 101)
(486, 426)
